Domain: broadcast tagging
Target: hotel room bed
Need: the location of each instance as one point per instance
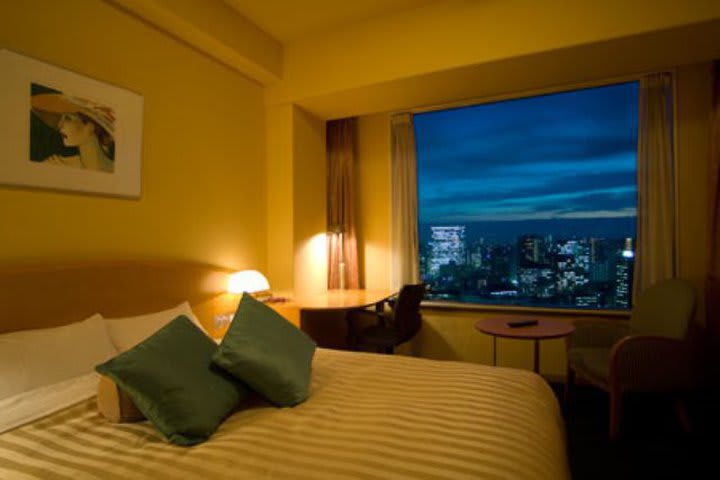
(368, 416)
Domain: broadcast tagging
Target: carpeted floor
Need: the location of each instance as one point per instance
(652, 445)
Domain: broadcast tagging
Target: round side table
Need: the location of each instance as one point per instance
(545, 329)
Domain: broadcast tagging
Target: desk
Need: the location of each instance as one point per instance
(299, 308)
(342, 299)
(545, 329)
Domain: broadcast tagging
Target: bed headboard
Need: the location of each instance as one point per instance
(42, 296)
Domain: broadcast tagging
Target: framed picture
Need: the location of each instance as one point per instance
(63, 131)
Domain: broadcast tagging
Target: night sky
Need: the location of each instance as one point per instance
(570, 155)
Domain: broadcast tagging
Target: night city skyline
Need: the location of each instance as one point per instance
(531, 201)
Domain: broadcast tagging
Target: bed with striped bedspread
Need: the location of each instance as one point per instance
(369, 417)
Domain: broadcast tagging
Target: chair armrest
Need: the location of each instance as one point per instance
(648, 363)
(589, 334)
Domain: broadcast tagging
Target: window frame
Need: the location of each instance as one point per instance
(568, 87)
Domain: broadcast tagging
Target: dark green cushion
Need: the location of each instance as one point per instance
(171, 379)
(268, 353)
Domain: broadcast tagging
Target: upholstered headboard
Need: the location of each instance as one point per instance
(51, 295)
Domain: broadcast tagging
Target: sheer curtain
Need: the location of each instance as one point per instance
(342, 245)
(404, 213)
(656, 246)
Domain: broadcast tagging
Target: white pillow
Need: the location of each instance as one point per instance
(31, 359)
(127, 332)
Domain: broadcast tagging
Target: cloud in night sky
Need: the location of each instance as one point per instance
(568, 155)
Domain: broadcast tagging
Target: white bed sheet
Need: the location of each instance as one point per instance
(31, 405)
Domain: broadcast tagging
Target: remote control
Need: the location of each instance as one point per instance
(522, 323)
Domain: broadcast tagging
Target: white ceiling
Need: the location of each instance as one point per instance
(290, 19)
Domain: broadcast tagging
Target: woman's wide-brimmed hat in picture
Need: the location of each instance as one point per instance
(50, 106)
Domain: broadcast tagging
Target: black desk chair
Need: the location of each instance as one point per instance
(387, 330)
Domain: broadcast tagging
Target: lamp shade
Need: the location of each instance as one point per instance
(250, 281)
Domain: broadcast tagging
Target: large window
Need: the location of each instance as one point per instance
(531, 201)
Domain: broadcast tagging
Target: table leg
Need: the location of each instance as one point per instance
(494, 351)
(536, 359)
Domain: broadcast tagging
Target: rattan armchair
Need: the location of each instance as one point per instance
(651, 353)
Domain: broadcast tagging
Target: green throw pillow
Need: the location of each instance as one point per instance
(268, 353)
(171, 379)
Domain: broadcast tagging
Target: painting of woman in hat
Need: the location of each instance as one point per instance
(81, 135)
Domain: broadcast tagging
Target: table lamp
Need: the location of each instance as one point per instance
(245, 281)
(250, 281)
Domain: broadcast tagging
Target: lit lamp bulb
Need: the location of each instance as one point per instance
(250, 281)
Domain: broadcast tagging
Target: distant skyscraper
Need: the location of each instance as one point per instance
(623, 275)
(599, 260)
(590, 300)
(536, 282)
(446, 246)
(597, 250)
(475, 254)
(530, 250)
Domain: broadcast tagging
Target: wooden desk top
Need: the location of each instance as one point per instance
(340, 299)
(545, 328)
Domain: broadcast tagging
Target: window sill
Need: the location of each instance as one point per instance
(478, 307)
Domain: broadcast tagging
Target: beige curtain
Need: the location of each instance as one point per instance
(342, 245)
(404, 213)
(713, 293)
(656, 249)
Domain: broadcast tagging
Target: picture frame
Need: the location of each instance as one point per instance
(61, 130)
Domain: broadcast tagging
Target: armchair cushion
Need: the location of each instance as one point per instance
(593, 362)
(601, 334)
(665, 309)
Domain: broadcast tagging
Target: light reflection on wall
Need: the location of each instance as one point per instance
(311, 265)
(377, 265)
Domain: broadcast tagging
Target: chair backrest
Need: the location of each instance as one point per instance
(406, 313)
(664, 309)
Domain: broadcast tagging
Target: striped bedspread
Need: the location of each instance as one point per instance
(369, 417)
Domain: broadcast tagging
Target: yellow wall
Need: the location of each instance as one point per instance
(455, 33)
(216, 29)
(280, 225)
(296, 200)
(203, 154)
(309, 203)
(373, 202)
(449, 334)
(694, 100)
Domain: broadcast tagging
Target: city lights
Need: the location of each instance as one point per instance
(531, 201)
